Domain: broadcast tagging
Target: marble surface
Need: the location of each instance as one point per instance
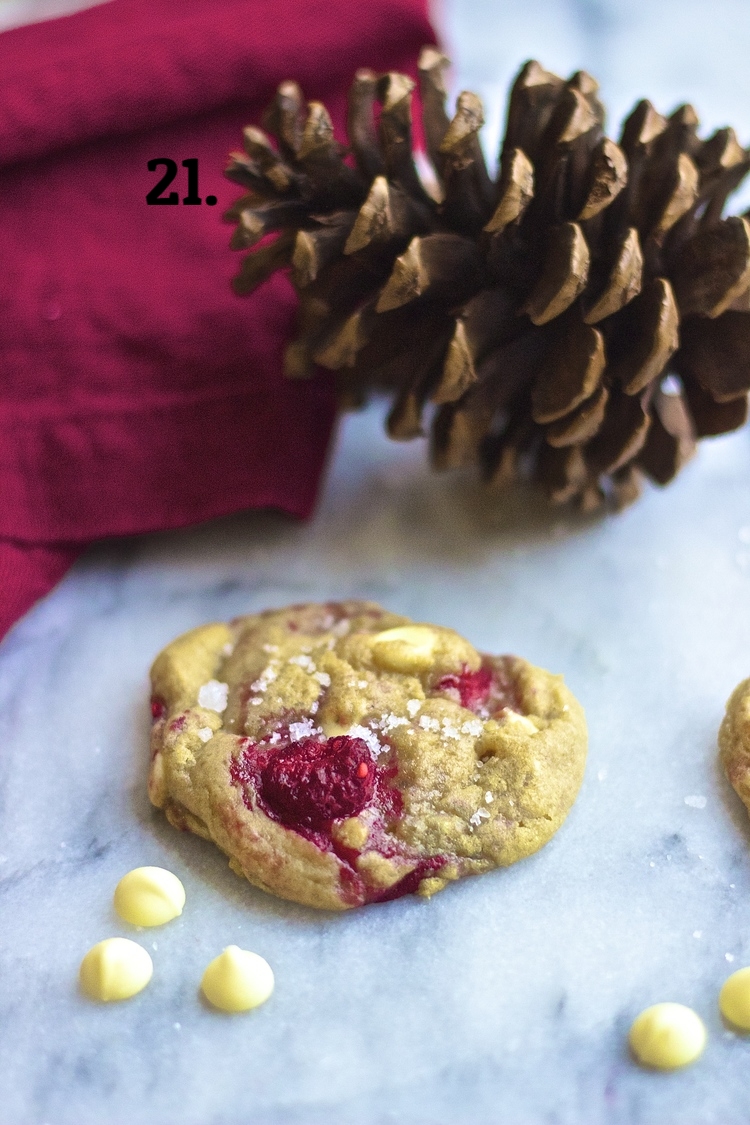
(505, 1000)
(15, 13)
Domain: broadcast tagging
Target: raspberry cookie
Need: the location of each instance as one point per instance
(734, 741)
(340, 754)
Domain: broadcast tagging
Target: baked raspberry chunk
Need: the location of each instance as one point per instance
(158, 708)
(473, 687)
(312, 782)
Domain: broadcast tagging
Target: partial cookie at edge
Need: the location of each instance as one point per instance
(734, 741)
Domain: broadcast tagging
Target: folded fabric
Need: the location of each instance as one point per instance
(136, 391)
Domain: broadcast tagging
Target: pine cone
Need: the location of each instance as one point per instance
(582, 319)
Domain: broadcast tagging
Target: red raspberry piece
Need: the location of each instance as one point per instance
(473, 687)
(410, 883)
(309, 783)
(158, 708)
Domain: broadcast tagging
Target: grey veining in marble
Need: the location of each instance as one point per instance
(505, 1000)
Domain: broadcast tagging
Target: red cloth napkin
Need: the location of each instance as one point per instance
(136, 391)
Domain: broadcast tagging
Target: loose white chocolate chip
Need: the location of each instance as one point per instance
(149, 896)
(667, 1036)
(237, 980)
(115, 969)
(734, 999)
(407, 648)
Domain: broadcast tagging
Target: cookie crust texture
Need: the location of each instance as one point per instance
(734, 741)
(341, 754)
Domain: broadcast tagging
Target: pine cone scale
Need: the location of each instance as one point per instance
(622, 434)
(716, 354)
(644, 336)
(581, 424)
(714, 268)
(564, 275)
(711, 418)
(670, 441)
(571, 374)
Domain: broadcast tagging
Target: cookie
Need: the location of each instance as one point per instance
(340, 754)
(734, 741)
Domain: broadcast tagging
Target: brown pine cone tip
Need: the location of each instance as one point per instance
(580, 320)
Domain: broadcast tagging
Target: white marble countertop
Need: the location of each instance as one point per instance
(514, 990)
(505, 1000)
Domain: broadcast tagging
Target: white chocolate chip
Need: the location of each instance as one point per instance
(149, 896)
(667, 1036)
(115, 969)
(734, 999)
(406, 649)
(237, 980)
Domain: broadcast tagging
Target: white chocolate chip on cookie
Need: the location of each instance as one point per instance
(407, 648)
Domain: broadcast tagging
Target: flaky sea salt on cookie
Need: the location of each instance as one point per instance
(341, 754)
